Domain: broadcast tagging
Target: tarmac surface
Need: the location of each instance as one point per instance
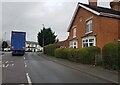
(33, 69)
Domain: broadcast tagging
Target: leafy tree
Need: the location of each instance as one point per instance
(46, 36)
(4, 45)
(57, 40)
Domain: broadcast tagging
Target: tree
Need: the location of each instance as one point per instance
(4, 45)
(57, 40)
(46, 36)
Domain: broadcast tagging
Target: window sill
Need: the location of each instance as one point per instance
(74, 36)
(88, 32)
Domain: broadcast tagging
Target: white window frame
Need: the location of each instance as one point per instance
(89, 26)
(74, 32)
(72, 44)
(86, 40)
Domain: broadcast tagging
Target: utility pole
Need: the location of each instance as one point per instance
(43, 34)
(5, 36)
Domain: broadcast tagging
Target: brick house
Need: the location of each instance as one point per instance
(92, 25)
(64, 44)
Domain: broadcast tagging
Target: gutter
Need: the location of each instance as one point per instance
(109, 15)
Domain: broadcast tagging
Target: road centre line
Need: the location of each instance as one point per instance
(25, 64)
(28, 78)
(24, 58)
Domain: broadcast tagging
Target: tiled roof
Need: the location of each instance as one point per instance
(31, 42)
(102, 9)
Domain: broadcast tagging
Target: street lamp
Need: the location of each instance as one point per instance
(43, 34)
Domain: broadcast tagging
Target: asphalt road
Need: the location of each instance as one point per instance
(32, 68)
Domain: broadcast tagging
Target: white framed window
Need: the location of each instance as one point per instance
(88, 41)
(74, 32)
(89, 26)
(73, 44)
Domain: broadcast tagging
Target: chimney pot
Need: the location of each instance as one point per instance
(115, 5)
(93, 3)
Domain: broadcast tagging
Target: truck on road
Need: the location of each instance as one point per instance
(18, 40)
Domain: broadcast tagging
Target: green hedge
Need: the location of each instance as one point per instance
(50, 49)
(111, 56)
(82, 55)
(63, 53)
(89, 55)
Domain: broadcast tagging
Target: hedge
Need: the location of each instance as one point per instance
(111, 56)
(50, 49)
(63, 53)
(82, 55)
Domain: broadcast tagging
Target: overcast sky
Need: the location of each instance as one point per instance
(29, 16)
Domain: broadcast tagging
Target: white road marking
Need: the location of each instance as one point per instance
(25, 64)
(7, 65)
(6, 62)
(28, 78)
(3, 65)
(24, 58)
(12, 64)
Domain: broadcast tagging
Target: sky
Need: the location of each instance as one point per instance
(28, 16)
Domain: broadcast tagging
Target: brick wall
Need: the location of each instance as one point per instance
(106, 29)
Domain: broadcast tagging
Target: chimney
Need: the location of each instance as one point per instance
(93, 3)
(115, 5)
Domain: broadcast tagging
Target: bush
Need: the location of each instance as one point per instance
(50, 49)
(88, 55)
(58, 52)
(63, 53)
(94, 55)
(111, 56)
(83, 55)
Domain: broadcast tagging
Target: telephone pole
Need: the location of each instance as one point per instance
(43, 34)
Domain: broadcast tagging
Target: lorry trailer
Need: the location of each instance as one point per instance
(18, 40)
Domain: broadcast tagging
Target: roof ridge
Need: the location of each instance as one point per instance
(98, 7)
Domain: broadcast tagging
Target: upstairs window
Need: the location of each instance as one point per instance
(89, 26)
(74, 32)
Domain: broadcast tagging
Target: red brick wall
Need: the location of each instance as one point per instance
(116, 7)
(106, 29)
(64, 43)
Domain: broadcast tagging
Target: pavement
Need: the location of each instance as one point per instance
(96, 71)
(0, 67)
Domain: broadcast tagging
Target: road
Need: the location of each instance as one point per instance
(34, 68)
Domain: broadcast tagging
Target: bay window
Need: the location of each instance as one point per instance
(88, 41)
